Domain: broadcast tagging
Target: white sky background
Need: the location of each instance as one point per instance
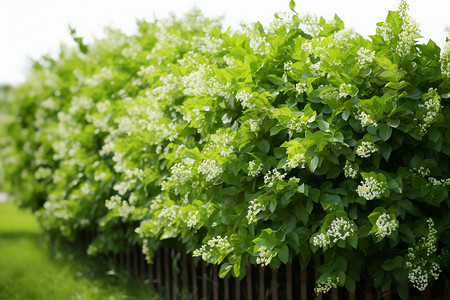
(30, 29)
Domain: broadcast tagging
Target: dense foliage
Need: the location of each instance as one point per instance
(251, 146)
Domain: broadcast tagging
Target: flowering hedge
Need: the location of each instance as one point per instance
(301, 139)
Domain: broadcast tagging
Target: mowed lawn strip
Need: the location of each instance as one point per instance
(30, 269)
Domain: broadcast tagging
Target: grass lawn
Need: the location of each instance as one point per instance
(30, 269)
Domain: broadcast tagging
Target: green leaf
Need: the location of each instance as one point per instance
(292, 6)
(283, 255)
(225, 269)
(385, 132)
(263, 145)
(385, 150)
(313, 164)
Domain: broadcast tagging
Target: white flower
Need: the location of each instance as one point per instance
(273, 177)
(371, 188)
(364, 118)
(321, 240)
(253, 210)
(244, 98)
(254, 169)
(265, 256)
(211, 168)
(192, 219)
(327, 285)
(344, 90)
(294, 161)
(386, 225)
(301, 87)
(349, 171)
(366, 149)
(365, 57)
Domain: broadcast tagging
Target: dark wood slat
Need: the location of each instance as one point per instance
(174, 283)
(204, 282)
(226, 288)
(274, 282)
(237, 289)
(304, 285)
(166, 273)
(249, 282)
(158, 270)
(317, 275)
(334, 294)
(215, 283)
(289, 281)
(194, 280)
(184, 272)
(261, 284)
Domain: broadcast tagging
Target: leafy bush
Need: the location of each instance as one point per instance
(251, 146)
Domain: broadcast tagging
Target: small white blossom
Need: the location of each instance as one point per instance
(344, 90)
(365, 119)
(301, 87)
(273, 177)
(254, 169)
(371, 188)
(365, 57)
(253, 210)
(244, 98)
(366, 149)
(265, 256)
(211, 168)
(349, 171)
(386, 225)
(327, 285)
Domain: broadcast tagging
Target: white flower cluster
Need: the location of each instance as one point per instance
(244, 98)
(439, 182)
(113, 202)
(364, 118)
(301, 87)
(253, 210)
(349, 171)
(344, 90)
(433, 106)
(122, 187)
(288, 66)
(295, 161)
(366, 149)
(182, 171)
(265, 256)
(254, 169)
(421, 270)
(371, 188)
(192, 219)
(258, 43)
(272, 177)
(419, 278)
(208, 44)
(445, 59)
(221, 141)
(295, 125)
(199, 83)
(430, 241)
(422, 171)
(339, 229)
(254, 125)
(327, 285)
(211, 168)
(216, 243)
(365, 57)
(229, 60)
(386, 32)
(386, 225)
(42, 173)
(410, 31)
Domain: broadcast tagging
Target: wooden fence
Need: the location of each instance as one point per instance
(178, 276)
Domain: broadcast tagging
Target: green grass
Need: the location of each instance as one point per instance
(31, 269)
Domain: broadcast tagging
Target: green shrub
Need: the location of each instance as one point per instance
(250, 146)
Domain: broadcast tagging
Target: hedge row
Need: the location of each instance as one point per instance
(250, 146)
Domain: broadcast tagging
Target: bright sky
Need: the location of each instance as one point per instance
(32, 28)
